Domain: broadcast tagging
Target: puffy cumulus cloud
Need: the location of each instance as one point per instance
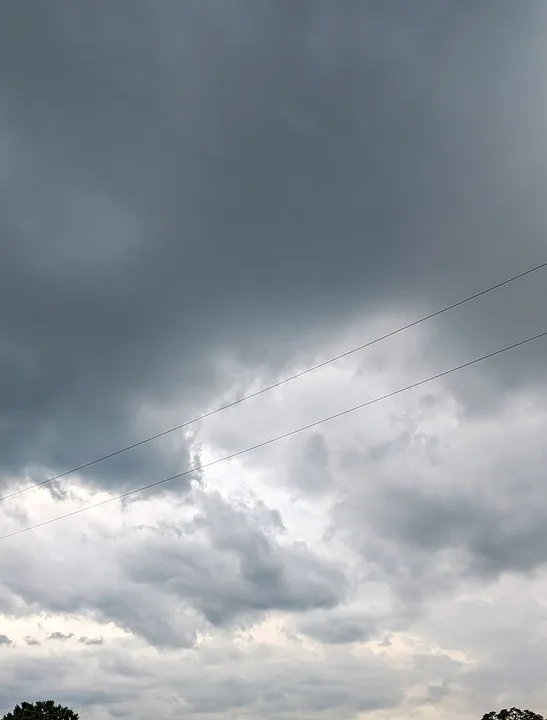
(223, 565)
(410, 583)
(183, 179)
(453, 502)
(199, 198)
(235, 569)
(418, 485)
(427, 504)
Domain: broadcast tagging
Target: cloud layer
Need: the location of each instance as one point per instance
(199, 198)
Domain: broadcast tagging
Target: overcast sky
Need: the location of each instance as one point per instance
(201, 197)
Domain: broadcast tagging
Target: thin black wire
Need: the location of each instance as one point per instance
(278, 383)
(286, 435)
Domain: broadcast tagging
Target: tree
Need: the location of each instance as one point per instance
(512, 714)
(42, 710)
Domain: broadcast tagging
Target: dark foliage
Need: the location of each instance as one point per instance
(42, 710)
(512, 714)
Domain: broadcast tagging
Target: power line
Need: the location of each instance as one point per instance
(279, 383)
(278, 438)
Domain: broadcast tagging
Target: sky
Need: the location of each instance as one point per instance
(199, 199)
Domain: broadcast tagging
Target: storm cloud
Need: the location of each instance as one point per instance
(182, 181)
(198, 198)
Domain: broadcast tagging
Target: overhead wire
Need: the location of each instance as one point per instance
(277, 438)
(278, 383)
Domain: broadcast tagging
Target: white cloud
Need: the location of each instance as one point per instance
(409, 582)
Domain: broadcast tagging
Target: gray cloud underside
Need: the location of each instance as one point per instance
(265, 687)
(181, 178)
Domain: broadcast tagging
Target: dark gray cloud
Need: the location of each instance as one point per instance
(182, 178)
(495, 535)
(229, 568)
(4, 640)
(340, 627)
(32, 642)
